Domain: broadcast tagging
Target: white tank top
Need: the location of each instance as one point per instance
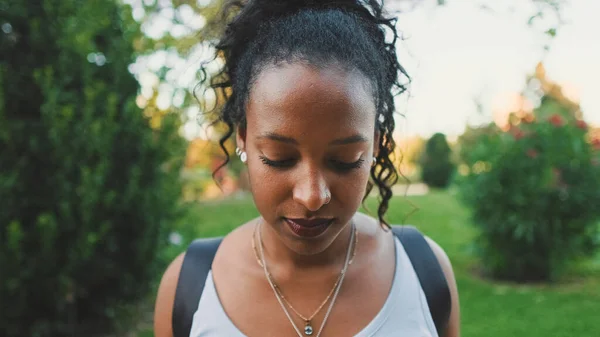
(404, 313)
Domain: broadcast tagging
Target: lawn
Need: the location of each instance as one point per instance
(568, 308)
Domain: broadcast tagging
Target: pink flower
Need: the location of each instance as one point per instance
(556, 120)
(582, 125)
(518, 133)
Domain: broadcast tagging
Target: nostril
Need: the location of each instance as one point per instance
(311, 190)
(312, 199)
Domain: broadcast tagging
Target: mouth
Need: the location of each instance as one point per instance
(309, 227)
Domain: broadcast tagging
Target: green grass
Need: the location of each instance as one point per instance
(569, 308)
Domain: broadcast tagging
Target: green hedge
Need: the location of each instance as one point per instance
(87, 189)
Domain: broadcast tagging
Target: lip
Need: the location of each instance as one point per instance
(309, 227)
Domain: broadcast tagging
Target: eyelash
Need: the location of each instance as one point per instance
(338, 165)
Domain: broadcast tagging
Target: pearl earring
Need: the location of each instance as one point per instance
(242, 154)
(374, 161)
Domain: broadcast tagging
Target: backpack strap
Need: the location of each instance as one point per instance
(194, 270)
(200, 254)
(430, 274)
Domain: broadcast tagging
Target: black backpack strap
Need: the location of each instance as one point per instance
(430, 274)
(194, 270)
(200, 254)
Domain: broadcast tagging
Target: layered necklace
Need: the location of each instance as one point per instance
(308, 327)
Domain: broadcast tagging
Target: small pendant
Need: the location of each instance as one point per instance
(308, 329)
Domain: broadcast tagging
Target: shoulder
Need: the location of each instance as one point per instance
(454, 322)
(165, 298)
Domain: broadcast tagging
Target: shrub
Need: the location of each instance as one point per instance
(474, 144)
(436, 164)
(87, 187)
(534, 191)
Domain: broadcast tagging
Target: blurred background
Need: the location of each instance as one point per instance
(108, 158)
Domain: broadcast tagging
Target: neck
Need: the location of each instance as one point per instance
(298, 258)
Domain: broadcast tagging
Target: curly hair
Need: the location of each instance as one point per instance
(350, 33)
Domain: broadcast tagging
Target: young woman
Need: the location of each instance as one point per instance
(309, 88)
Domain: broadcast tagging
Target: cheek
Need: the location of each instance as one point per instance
(350, 189)
(269, 188)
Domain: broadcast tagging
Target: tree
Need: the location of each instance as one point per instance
(88, 188)
(436, 162)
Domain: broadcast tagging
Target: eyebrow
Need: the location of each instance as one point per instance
(288, 140)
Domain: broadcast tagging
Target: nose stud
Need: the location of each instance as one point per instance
(327, 198)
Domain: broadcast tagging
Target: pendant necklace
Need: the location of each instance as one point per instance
(308, 327)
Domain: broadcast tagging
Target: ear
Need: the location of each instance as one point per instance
(240, 137)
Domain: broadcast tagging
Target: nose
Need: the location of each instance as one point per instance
(311, 190)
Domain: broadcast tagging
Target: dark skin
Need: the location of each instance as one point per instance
(317, 126)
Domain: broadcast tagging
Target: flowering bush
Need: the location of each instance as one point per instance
(535, 195)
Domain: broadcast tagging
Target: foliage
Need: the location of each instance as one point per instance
(534, 193)
(473, 145)
(176, 38)
(88, 188)
(436, 163)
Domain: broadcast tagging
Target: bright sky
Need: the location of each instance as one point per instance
(459, 52)
(455, 54)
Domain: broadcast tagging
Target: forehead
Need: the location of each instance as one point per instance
(300, 99)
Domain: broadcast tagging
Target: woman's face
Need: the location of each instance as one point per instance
(310, 134)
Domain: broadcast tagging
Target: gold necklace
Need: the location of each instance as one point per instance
(308, 329)
(307, 320)
(261, 264)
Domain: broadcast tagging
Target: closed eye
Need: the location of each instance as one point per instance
(337, 165)
(344, 167)
(277, 163)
